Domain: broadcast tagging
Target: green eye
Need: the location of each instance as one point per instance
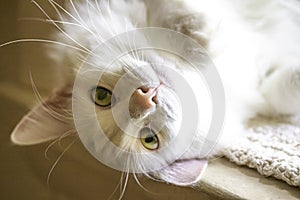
(102, 97)
(149, 139)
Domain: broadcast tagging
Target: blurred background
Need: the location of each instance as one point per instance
(22, 19)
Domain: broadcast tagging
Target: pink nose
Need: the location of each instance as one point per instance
(142, 101)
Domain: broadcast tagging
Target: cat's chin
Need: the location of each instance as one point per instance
(183, 172)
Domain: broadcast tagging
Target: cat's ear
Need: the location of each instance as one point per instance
(48, 120)
(184, 172)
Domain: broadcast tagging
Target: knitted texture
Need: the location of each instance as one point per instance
(273, 149)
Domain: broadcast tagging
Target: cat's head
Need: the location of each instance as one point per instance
(136, 112)
(129, 115)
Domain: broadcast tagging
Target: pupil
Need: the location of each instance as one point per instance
(149, 139)
(102, 95)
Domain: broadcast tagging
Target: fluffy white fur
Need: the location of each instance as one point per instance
(253, 43)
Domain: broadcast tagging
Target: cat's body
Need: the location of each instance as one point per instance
(253, 44)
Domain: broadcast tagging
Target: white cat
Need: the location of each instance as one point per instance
(254, 45)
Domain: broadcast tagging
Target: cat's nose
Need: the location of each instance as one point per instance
(142, 101)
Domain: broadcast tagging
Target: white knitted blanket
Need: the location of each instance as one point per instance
(273, 149)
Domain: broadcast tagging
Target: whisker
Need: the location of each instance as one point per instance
(70, 23)
(139, 183)
(42, 40)
(98, 7)
(50, 111)
(115, 190)
(48, 148)
(121, 181)
(80, 21)
(93, 24)
(32, 19)
(67, 12)
(132, 49)
(66, 23)
(76, 11)
(58, 159)
(97, 69)
(58, 27)
(66, 134)
(109, 27)
(152, 177)
(56, 10)
(51, 21)
(125, 185)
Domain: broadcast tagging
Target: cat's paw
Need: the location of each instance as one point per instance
(281, 89)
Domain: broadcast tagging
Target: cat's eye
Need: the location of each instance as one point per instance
(149, 139)
(102, 96)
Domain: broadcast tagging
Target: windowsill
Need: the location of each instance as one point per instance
(226, 179)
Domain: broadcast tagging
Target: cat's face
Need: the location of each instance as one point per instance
(138, 111)
(128, 115)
